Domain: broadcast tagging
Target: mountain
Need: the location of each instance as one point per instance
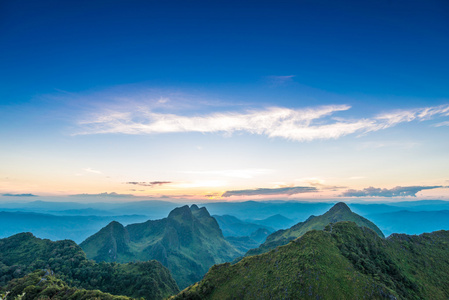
(153, 209)
(58, 227)
(343, 261)
(276, 221)
(339, 212)
(24, 253)
(188, 242)
(411, 222)
(232, 226)
(263, 209)
(42, 284)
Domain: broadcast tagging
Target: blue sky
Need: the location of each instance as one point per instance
(208, 97)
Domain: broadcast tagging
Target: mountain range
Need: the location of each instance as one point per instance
(336, 255)
(188, 242)
(59, 227)
(261, 213)
(339, 212)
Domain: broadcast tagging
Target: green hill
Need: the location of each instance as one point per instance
(42, 284)
(344, 261)
(23, 253)
(188, 242)
(338, 213)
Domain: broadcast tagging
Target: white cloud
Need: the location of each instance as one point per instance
(246, 173)
(276, 81)
(304, 124)
(442, 124)
(90, 170)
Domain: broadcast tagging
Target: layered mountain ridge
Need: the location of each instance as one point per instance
(188, 242)
(339, 212)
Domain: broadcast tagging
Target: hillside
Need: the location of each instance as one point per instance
(344, 261)
(23, 253)
(42, 284)
(338, 213)
(188, 242)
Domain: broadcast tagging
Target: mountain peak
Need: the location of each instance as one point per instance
(194, 207)
(183, 212)
(340, 207)
(114, 224)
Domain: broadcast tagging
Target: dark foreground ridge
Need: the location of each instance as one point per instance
(338, 213)
(23, 253)
(343, 261)
(42, 284)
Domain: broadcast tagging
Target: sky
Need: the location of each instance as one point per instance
(224, 100)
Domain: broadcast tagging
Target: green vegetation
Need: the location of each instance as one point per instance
(23, 253)
(188, 242)
(343, 261)
(41, 284)
(339, 212)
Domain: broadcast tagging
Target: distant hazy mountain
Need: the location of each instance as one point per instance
(344, 261)
(339, 212)
(261, 210)
(277, 222)
(23, 253)
(232, 226)
(189, 241)
(76, 228)
(153, 209)
(411, 222)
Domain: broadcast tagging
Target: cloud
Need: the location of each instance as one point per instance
(399, 191)
(276, 191)
(305, 124)
(244, 173)
(442, 124)
(19, 195)
(320, 183)
(106, 194)
(276, 81)
(150, 184)
(90, 170)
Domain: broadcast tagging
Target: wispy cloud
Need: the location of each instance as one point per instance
(282, 80)
(320, 183)
(244, 173)
(276, 191)
(90, 170)
(149, 184)
(442, 124)
(399, 191)
(106, 194)
(304, 124)
(19, 195)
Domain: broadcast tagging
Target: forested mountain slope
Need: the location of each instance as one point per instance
(23, 253)
(188, 242)
(344, 261)
(338, 213)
